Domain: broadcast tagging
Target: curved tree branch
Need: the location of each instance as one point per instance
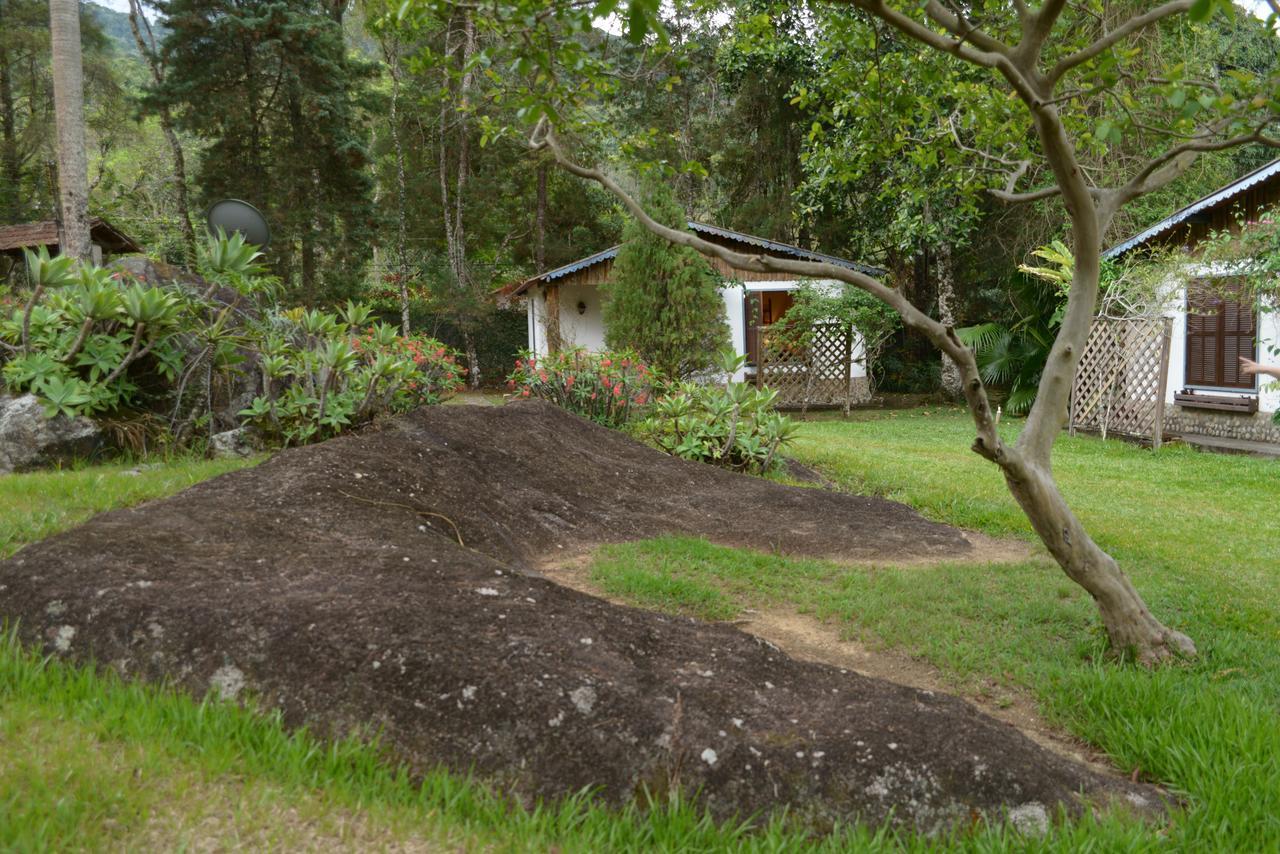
(1119, 34)
(1160, 170)
(953, 23)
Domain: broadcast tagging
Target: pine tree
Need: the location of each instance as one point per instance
(663, 300)
(270, 88)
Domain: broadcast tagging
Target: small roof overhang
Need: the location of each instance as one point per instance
(1212, 200)
(28, 235)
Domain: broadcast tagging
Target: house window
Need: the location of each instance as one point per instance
(1220, 329)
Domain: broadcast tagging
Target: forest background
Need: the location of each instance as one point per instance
(364, 140)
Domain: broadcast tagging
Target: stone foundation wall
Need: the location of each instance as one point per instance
(1257, 427)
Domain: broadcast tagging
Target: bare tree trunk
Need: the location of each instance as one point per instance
(473, 360)
(10, 168)
(310, 284)
(1130, 626)
(68, 101)
(454, 220)
(540, 219)
(944, 273)
(147, 47)
(555, 339)
(402, 260)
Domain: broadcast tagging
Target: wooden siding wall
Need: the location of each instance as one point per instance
(1249, 205)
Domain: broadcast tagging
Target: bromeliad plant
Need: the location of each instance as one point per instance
(733, 426)
(325, 373)
(611, 389)
(83, 334)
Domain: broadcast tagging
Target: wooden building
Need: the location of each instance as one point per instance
(105, 239)
(1205, 392)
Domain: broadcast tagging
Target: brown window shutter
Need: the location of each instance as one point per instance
(1219, 331)
(1202, 336)
(1239, 331)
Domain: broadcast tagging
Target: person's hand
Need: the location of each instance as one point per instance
(1249, 366)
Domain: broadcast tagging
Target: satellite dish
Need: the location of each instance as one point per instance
(232, 215)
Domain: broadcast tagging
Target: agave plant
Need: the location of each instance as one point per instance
(45, 273)
(225, 255)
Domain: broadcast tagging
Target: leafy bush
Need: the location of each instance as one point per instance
(89, 341)
(733, 426)
(610, 389)
(82, 339)
(1013, 356)
(325, 373)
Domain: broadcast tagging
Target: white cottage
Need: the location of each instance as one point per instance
(752, 301)
(1205, 394)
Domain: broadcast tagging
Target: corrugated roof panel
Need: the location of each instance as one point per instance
(749, 239)
(1227, 193)
(558, 272)
(785, 248)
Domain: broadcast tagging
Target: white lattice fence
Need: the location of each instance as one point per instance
(817, 375)
(1120, 383)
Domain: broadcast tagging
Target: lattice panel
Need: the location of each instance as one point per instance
(1120, 383)
(820, 375)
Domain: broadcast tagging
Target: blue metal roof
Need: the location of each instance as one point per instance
(1227, 193)
(703, 228)
(580, 264)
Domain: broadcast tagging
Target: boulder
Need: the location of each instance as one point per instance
(240, 442)
(29, 439)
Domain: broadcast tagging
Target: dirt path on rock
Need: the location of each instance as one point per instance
(809, 639)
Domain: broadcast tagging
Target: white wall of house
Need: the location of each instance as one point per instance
(587, 329)
(1268, 336)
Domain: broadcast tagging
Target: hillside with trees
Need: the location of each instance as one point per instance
(382, 144)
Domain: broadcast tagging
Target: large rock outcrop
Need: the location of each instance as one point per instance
(388, 581)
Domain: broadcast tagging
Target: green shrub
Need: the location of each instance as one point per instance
(89, 341)
(663, 300)
(325, 373)
(733, 426)
(608, 388)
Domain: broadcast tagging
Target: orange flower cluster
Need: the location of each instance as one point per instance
(608, 388)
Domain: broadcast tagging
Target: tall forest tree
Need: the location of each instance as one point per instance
(145, 38)
(280, 104)
(68, 100)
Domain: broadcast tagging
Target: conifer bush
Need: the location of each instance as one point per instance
(663, 301)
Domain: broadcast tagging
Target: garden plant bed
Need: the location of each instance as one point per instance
(329, 582)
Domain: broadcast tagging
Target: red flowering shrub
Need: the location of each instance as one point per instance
(608, 388)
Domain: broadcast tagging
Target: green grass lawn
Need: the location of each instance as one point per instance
(35, 505)
(87, 761)
(1198, 533)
